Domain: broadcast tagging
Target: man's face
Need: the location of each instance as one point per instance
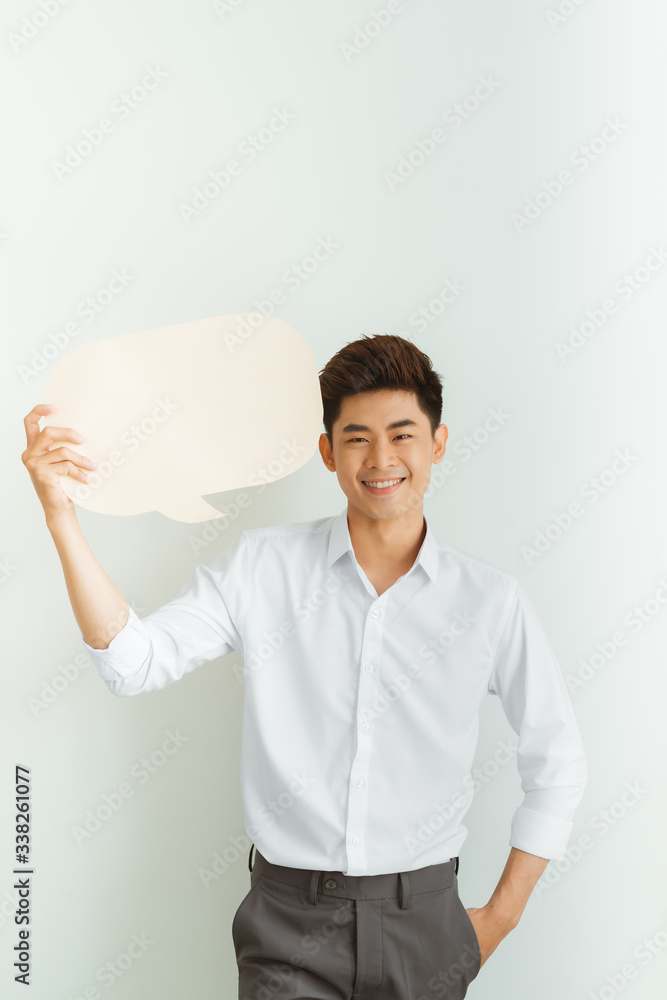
(370, 448)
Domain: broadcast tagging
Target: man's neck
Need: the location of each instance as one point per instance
(393, 542)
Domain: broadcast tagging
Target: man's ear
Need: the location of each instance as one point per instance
(439, 443)
(326, 452)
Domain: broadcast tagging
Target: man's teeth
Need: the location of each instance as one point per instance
(382, 484)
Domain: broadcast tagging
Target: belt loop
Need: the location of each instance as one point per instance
(252, 848)
(456, 868)
(314, 879)
(404, 889)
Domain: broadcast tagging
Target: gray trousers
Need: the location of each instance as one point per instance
(322, 935)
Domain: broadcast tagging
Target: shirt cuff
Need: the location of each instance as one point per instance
(537, 833)
(125, 653)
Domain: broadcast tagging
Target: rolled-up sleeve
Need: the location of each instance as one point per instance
(203, 622)
(551, 759)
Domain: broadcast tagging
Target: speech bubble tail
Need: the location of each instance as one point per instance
(191, 510)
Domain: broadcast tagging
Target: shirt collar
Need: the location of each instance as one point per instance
(340, 542)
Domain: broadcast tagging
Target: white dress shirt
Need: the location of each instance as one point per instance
(361, 712)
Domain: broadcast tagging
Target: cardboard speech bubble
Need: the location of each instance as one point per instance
(179, 411)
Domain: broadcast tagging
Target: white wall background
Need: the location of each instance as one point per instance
(558, 78)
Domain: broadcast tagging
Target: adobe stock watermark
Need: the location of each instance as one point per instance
(591, 491)
(304, 609)
(454, 117)
(427, 313)
(218, 525)
(325, 931)
(141, 771)
(388, 694)
(111, 971)
(57, 684)
(318, 937)
(32, 24)
(480, 777)
(300, 785)
(132, 438)
(275, 467)
(624, 289)
(293, 278)
(581, 158)
(220, 864)
(110, 629)
(310, 605)
(247, 151)
(88, 309)
(243, 501)
(643, 954)
(225, 7)
(367, 32)
(563, 12)
(121, 108)
(599, 826)
(466, 447)
(635, 620)
(452, 975)
(53, 688)
(7, 569)
(221, 861)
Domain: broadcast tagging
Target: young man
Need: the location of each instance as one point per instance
(368, 647)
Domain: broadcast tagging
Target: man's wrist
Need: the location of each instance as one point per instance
(505, 914)
(61, 521)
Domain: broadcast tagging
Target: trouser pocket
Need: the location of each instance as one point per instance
(471, 956)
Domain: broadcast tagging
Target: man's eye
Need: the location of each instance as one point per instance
(350, 440)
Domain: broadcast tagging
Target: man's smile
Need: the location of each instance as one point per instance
(383, 486)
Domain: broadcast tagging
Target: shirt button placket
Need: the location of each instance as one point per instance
(369, 680)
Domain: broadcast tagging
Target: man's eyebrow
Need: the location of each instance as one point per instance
(390, 427)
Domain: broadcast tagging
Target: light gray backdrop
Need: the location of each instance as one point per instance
(492, 177)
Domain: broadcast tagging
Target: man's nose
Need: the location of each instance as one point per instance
(381, 455)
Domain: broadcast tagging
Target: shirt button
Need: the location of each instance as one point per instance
(369, 668)
(356, 841)
(375, 613)
(359, 782)
(365, 726)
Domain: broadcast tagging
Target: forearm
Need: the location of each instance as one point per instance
(516, 883)
(503, 911)
(99, 607)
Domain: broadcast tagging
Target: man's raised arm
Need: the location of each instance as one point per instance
(134, 655)
(100, 609)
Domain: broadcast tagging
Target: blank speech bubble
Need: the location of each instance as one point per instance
(172, 413)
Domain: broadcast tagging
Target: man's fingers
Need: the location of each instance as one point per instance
(49, 433)
(61, 434)
(63, 454)
(31, 420)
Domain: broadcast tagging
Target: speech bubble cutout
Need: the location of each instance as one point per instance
(202, 407)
